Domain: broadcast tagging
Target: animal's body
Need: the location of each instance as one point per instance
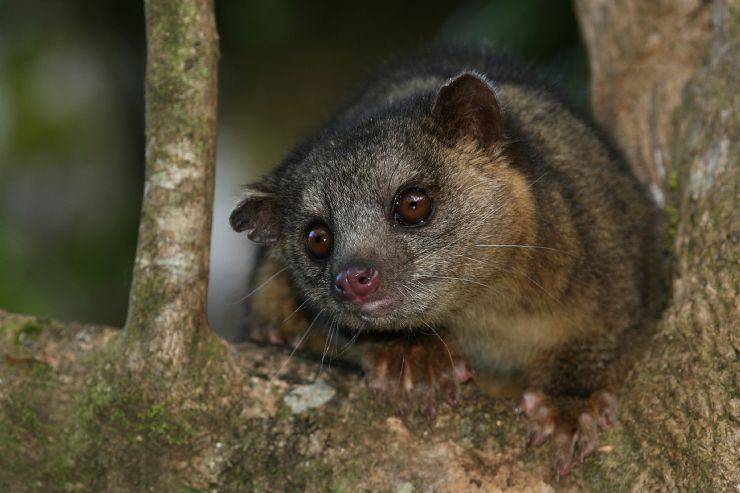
(459, 195)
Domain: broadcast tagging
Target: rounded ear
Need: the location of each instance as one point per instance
(255, 214)
(466, 106)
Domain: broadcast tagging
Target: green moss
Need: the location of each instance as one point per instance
(616, 470)
(158, 421)
(27, 334)
(21, 331)
(24, 418)
(215, 348)
(672, 218)
(116, 426)
(274, 456)
(674, 179)
(283, 412)
(147, 297)
(346, 482)
(28, 427)
(123, 410)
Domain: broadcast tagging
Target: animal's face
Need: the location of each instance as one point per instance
(380, 223)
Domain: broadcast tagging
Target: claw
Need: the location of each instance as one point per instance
(606, 407)
(530, 401)
(563, 469)
(537, 438)
(587, 434)
(567, 433)
(564, 443)
(413, 375)
(452, 398)
(463, 372)
(430, 411)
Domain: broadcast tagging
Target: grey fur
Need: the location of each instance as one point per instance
(540, 257)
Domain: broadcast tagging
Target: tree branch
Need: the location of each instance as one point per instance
(170, 281)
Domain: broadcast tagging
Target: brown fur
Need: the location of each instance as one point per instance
(543, 309)
(539, 264)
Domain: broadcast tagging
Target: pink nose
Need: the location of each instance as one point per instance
(356, 283)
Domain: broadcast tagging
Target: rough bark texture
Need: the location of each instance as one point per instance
(682, 407)
(641, 54)
(167, 310)
(160, 407)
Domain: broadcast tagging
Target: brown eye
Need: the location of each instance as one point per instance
(319, 240)
(412, 207)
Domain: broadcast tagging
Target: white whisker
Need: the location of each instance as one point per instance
(452, 278)
(300, 341)
(469, 258)
(300, 307)
(351, 341)
(447, 348)
(421, 287)
(327, 346)
(501, 268)
(403, 296)
(259, 287)
(522, 246)
(540, 178)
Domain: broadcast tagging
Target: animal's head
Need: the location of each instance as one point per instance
(379, 221)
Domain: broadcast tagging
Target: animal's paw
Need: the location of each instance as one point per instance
(416, 374)
(572, 428)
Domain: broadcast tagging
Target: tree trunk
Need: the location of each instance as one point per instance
(682, 405)
(160, 406)
(641, 56)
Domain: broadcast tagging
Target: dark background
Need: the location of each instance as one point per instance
(71, 122)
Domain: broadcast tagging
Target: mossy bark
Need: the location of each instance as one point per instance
(167, 309)
(161, 406)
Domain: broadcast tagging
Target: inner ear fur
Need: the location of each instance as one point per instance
(256, 214)
(466, 106)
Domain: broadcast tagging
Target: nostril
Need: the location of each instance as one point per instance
(366, 277)
(364, 281)
(356, 283)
